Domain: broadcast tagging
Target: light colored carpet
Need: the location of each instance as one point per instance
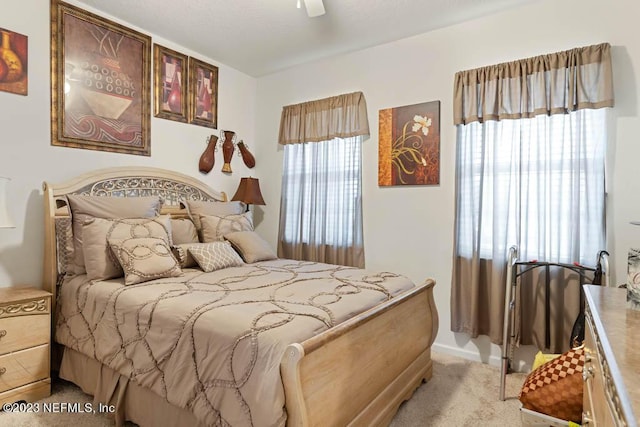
(461, 393)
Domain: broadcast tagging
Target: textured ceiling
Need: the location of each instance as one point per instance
(260, 37)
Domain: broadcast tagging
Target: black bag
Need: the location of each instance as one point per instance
(577, 332)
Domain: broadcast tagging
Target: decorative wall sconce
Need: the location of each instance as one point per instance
(247, 157)
(207, 159)
(228, 147)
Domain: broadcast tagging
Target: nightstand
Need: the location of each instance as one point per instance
(25, 333)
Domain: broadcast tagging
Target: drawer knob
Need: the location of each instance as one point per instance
(3, 332)
(587, 373)
(586, 418)
(3, 370)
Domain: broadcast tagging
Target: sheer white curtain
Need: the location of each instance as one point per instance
(321, 205)
(537, 183)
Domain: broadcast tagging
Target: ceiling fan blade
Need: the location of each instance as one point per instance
(314, 8)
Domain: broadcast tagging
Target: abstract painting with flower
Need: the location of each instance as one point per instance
(409, 145)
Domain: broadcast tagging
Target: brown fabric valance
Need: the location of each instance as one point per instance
(556, 83)
(341, 116)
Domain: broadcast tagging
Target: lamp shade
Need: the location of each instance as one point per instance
(5, 219)
(249, 192)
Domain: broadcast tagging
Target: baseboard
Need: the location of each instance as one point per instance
(493, 360)
(465, 354)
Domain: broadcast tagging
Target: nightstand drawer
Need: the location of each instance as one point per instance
(24, 367)
(17, 333)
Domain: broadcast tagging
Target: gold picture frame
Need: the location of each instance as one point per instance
(14, 57)
(203, 93)
(100, 83)
(171, 71)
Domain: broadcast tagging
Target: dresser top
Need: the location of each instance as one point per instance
(13, 295)
(618, 328)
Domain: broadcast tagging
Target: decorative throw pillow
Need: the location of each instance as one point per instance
(97, 232)
(542, 358)
(251, 246)
(215, 256)
(86, 207)
(195, 208)
(144, 259)
(182, 254)
(183, 231)
(555, 388)
(215, 227)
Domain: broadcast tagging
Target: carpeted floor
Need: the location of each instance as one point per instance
(461, 393)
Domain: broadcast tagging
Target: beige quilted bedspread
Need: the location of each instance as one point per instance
(212, 342)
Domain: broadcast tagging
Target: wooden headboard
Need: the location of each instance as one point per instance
(173, 187)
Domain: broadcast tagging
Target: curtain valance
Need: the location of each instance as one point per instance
(556, 83)
(341, 116)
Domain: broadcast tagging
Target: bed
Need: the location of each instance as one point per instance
(311, 345)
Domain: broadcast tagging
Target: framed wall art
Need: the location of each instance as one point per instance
(13, 62)
(100, 83)
(409, 145)
(203, 93)
(170, 70)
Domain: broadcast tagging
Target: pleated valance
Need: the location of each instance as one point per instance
(556, 83)
(341, 116)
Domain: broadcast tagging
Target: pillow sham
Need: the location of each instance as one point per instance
(144, 259)
(215, 256)
(250, 246)
(97, 232)
(183, 231)
(86, 207)
(195, 208)
(215, 227)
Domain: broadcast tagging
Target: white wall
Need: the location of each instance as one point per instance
(27, 157)
(410, 229)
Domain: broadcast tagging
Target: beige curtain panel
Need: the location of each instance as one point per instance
(341, 116)
(556, 83)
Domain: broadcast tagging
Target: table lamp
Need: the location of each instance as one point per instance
(248, 192)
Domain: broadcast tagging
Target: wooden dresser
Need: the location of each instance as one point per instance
(612, 359)
(25, 331)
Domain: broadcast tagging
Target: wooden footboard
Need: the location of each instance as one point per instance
(359, 372)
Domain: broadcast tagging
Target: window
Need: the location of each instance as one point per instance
(321, 196)
(531, 142)
(538, 183)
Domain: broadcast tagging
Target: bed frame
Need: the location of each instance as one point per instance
(374, 361)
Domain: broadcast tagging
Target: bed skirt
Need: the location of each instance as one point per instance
(131, 401)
